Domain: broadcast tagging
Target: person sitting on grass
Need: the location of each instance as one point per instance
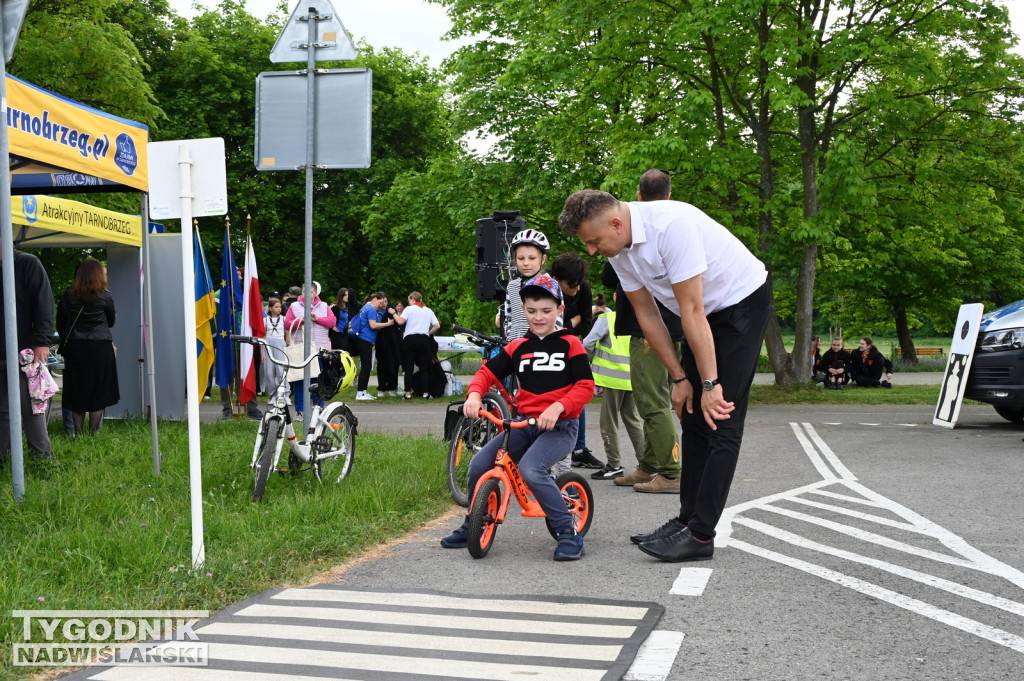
(837, 362)
(555, 383)
(867, 364)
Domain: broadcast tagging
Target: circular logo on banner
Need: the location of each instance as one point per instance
(126, 158)
(964, 329)
(30, 208)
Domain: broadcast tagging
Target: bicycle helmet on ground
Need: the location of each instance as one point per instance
(336, 373)
(531, 237)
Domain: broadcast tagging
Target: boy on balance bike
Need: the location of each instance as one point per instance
(555, 384)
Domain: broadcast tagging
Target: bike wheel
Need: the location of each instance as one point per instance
(469, 436)
(578, 499)
(266, 459)
(482, 526)
(339, 442)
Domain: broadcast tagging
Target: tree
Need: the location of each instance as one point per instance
(206, 84)
(72, 47)
(747, 103)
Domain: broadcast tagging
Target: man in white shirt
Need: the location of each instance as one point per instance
(675, 253)
(417, 349)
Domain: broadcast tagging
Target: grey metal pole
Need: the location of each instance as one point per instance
(307, 332)
(147, 325)
(10, 311)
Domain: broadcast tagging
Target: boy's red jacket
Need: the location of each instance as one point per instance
(550, 369)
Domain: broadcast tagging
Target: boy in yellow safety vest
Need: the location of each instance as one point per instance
(610, 365)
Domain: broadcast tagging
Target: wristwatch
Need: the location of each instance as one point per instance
(710, 385)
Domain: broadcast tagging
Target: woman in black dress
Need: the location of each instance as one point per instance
(389, 353)
(84, 317)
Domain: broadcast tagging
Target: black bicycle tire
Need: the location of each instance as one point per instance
(331, 464)
(577, 480)
(265, 459)
(482, 526)
(475, 434)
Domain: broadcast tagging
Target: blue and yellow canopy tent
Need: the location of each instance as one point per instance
(62, 146)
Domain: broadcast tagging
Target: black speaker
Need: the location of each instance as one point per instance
(493, 236)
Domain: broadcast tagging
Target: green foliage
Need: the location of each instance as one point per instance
(74, 48)
(765, 113)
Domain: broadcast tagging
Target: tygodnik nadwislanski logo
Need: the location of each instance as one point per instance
(64, 638)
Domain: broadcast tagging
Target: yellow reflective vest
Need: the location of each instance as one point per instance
(611, 363)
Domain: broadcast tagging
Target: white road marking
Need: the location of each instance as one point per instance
(441, 667)
(500, 646)
(839, 510)
(864, 535)
(838, 483)
(844, 497)
(691, 581)
(656, 656)
(842, 470)
(541, 607)
(999, 636)
(819, 464)
(132, 673)
(537, 626)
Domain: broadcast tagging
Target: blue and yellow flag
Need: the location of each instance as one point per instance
(228, 307)
(206, 311)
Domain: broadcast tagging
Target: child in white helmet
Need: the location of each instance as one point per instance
(528, 252)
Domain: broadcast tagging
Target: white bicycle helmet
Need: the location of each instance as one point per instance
(531, 237)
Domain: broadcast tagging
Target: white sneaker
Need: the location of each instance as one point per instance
(364, 396)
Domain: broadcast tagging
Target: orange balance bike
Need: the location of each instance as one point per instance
(495, 488)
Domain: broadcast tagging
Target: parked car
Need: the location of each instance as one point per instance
(997, 372)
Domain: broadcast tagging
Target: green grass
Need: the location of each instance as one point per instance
(97, 530)
(808, 393)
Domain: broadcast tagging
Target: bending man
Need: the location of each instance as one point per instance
(672, 252)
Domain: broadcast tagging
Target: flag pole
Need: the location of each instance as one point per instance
(236, 408)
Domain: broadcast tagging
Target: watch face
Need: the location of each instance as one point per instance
(709, 385)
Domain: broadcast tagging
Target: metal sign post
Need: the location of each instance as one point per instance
(13, 387)
(325, 39)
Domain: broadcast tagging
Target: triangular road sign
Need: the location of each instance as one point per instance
(333, 43)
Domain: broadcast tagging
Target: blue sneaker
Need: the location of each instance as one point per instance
(570, 545)
(457, 539)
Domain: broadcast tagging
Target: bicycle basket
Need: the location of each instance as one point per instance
(337, 372)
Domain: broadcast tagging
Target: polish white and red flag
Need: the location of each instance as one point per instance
(252, 325)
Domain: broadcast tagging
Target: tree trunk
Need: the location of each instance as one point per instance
(808, 261)
(903, 334)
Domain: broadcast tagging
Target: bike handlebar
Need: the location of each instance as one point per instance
(487, 340)
(253, 340)
(496, 420)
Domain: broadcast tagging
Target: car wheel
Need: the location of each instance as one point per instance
(1011, 414)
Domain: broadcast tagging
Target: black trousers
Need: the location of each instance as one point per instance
(416, 352)
(365, 350)
(708, 458)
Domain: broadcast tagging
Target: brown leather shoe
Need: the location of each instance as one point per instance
(633, 478)
(658, 484)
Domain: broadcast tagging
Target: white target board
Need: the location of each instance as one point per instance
(961, 353)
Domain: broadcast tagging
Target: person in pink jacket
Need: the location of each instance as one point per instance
(294, 320)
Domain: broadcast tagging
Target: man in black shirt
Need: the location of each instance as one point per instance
(34, 303)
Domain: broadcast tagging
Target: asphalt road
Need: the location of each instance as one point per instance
(859, 543)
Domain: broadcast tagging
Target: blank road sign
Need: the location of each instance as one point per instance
(341, 119)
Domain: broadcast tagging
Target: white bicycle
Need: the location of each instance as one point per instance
(330, 443)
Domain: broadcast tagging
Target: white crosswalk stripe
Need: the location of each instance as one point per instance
(339, 633)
